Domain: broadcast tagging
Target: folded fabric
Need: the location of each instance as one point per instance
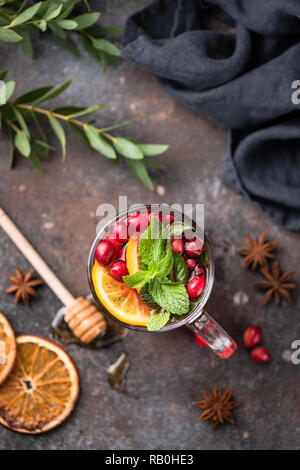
(241, 78)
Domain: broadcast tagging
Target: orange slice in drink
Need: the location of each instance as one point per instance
(8, 348)
(41, 389)
(133, 259)
(119, 299)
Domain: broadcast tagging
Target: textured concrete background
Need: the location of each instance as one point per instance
(56, 211)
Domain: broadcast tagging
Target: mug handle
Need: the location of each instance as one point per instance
(213, 335)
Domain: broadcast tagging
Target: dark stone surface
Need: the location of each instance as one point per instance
(56, 211)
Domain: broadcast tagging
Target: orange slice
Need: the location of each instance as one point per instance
(42, 388)
(133, 259)
(8, 348)
(119, 299)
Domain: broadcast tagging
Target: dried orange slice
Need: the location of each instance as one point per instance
(8, 348)
(119, 299)
(42, 388)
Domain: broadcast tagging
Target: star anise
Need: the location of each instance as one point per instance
(23, 286)
(276, 283)
(257, 251)
(217, 406)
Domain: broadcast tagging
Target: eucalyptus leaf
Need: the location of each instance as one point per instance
(138, 168)
(67, 24)
(33, 95)
(86, 20)
(52, 12)
(152, 149)
(21, 122)
(42, 25)
(27, 45)
(106, 46)
(9, 87)
(60, 133)
(22, 143)
(68, 44)
(25, 15)
(88, 110)
(54, 93)
(127, 148)
(8, 35)
(98, 143)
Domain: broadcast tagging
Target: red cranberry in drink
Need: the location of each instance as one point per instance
(120, 231)
(191, 263)
(188, 235)
(260, 354)
(116, 243)
(195, 287)
(184, 257)
(193, 247)
(168, 219)
(177, 246)
(137, 224)
(200, 341)
(200, 270)
(252, 336)
(105, 252)
(118, 270)
(122, 254)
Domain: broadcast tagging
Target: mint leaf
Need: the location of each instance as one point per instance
(171, 296)
(176, 229)
(205, 258)
(146, 297)
(166, 264)
(158, 320)
(137, 279)
(151, 244)
(181, 269)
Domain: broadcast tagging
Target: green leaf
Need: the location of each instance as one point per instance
(27, 45)
(57, 31)
(85, 111)
(106, 46)
(2, 93)
(52, 12)
(60, 133)
(152, 163)
(3, 74)
(176, 229)
(86, 20)
(9, 87)
(98, 143)
(21, 122)
(152, 149)
(68, 44)
(25, 15)
(54, 93)
(147, 243)
(67, 24)
(138, 168)
(22, 143)
(33, 95)
(146, 297)
(205, 258)
(138, 279)
(171, 296)
(180, 267)
(77, 131)
(8, 35)
(166, 264)
(158, 320)
(34, 160)
(42, 25)
(127, 148)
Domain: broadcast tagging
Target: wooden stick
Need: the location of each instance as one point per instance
(35, 260)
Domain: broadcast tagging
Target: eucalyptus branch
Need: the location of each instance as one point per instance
(21, 119)
(18, 23)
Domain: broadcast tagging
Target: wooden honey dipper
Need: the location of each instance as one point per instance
(86, 322)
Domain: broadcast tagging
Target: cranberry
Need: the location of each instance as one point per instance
(120, 231)
(200, 270)
(193, 247)
(105, 252)
(195, 287)
(118, 270)
(260, 354)
(191, 263)
(200, 341)
(177, 246)
(116, 243)
(168, 219)
(137, 224)
(184, 257)
(122, 254)
(188, 235)
(252, 336)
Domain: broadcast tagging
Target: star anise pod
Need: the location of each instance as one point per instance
(276, 284)
(257, 251)
(23, 286)
(217, 406)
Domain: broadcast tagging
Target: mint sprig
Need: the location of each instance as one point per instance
(158, 320)
(172, 296)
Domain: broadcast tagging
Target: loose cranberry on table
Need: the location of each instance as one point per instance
(193, 247)
(252, 336)
(177, 246)
(119, 269)
(200, 270)
(137, 223)
(105, 252)
(195, 287)
(191, 263)
(120, 231)
(200, 341)
(260, 354)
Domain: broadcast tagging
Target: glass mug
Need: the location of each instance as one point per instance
(198, 320)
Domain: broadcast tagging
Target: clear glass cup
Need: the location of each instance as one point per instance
(198, 320)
